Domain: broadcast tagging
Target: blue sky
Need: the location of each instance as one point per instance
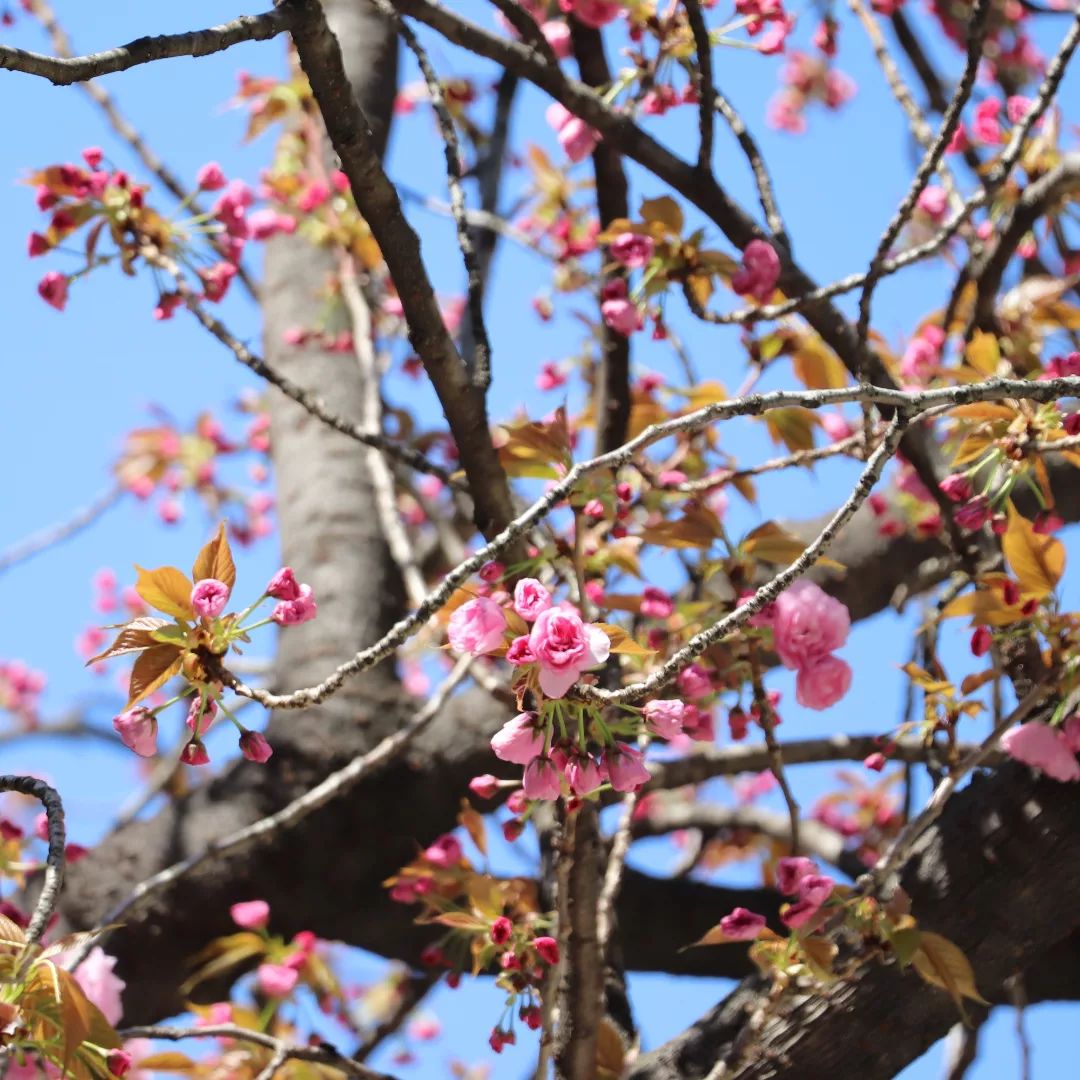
(76, 382)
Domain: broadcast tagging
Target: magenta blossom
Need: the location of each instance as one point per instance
(250, 914)
(742, 925)
(1042, 747)
(564, 647)
(577, 139)
(283, 585)
(791, 870)
(519, 652)
(255, 747)
(531, 599)
(53, 289)
(293, 612)
(632, 250)
(655, 603)
(519, 740)
(815, 889)
(276, 980)
(594, 13)
(444, 852)
(759, 272)
(209, 597)
(808, 624)
(477, 627)
(583, 775)
(137, 729)
(822, 683)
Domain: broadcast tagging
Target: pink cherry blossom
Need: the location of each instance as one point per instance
(655, 603)
(293, 612)
(53, 289)
(276, 980)
(519, 652)
(742, 925)
(808, 624)
(564, 647)
(209, 597)
(791, 870)
(542, 779)
(444, 852)
(759, 272)
(557, 34)
(477, 627)
(283, 585)
(665, 717)
(626, 768)
(1042, 747)
(583, 775)
(594, 13)
(621, 315)
(531, 599)
(201, 714)
(519, 740)
(255, 747)
(137, 729)
(210, 177)
(97, 981)
(632, 250)
(484, 786)
(250, 914)
(822, 682)
(815, 889)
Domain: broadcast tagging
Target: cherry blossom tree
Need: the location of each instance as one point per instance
(547, 623)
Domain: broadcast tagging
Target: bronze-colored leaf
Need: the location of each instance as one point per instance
(167, 590)
(135, 637)
(474, 825)
(943, 964)
(153, 668)
(215, 560)
(1037, 561)
(666, 211)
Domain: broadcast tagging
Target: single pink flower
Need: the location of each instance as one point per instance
(622, 316)
(564, 647)
(501, 930)
(583, 774)
(209, 597)
(519, 652)
(823, 682)
(594, 13)
(808, 624)
(759, 273)
(742, 925)
(815, 889)
(283, 585)
(626, 768)
(250, 914)
(477, 627)
(531, 599)
(799, 914)
(694, 681)
(577, 139)
(137, 729)
(547, 948)
(542, 779)
(665, 717)
(201, 714)
(1042, 747)
(444, 852)
(791, 870)
(293, 612)
(118, 1062)
(557, 34)
(210, 177)
(655, 603)
(484, 786)
(632, 250)
(956, 487)
(519, 740)
(53, 289)
(276, 980)
(255, 747)
(194, 753)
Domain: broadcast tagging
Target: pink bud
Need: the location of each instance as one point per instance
(501, 929)
(254, 747)
(547, 948)
(118, 1061)
(53, 289)
(742, 925)
(250, 914)
(209, 597)
(210, 177)
(484, 786)
(276, 980)
(195, 754)
(137, 729)
(875, 761)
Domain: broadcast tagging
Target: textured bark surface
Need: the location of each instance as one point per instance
(997, 875)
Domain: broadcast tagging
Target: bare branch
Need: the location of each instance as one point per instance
(62, 71)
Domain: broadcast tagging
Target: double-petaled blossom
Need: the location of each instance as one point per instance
(742, 925)
(531, 599)
(137, 729)
(477, 627)
(808, 624)
(821, 683)
(302, 609)
(632, 250)
(619, 312)
(577, 139)
(759, 272)
(209, 597)
(564, 647)
(1046, 748)
(98, 982)
(283, 585)
(519, 740)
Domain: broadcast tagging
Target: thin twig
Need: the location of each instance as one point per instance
(703, 83)
(336, 784)
(57, 534)
(613, 872)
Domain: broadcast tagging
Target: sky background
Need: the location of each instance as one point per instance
(76, 382)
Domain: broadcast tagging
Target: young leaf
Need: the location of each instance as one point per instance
(666, 211)
(166, 589)
(943, 964)
(1038, 561)
(474, 825)
(154, 667)
(135, 637)
(621, 641)
(215, 560)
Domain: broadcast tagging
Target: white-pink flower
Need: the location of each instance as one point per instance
(808, 624)
(1042, 747)
(531, 599)
(564, 647)
(97, 981)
